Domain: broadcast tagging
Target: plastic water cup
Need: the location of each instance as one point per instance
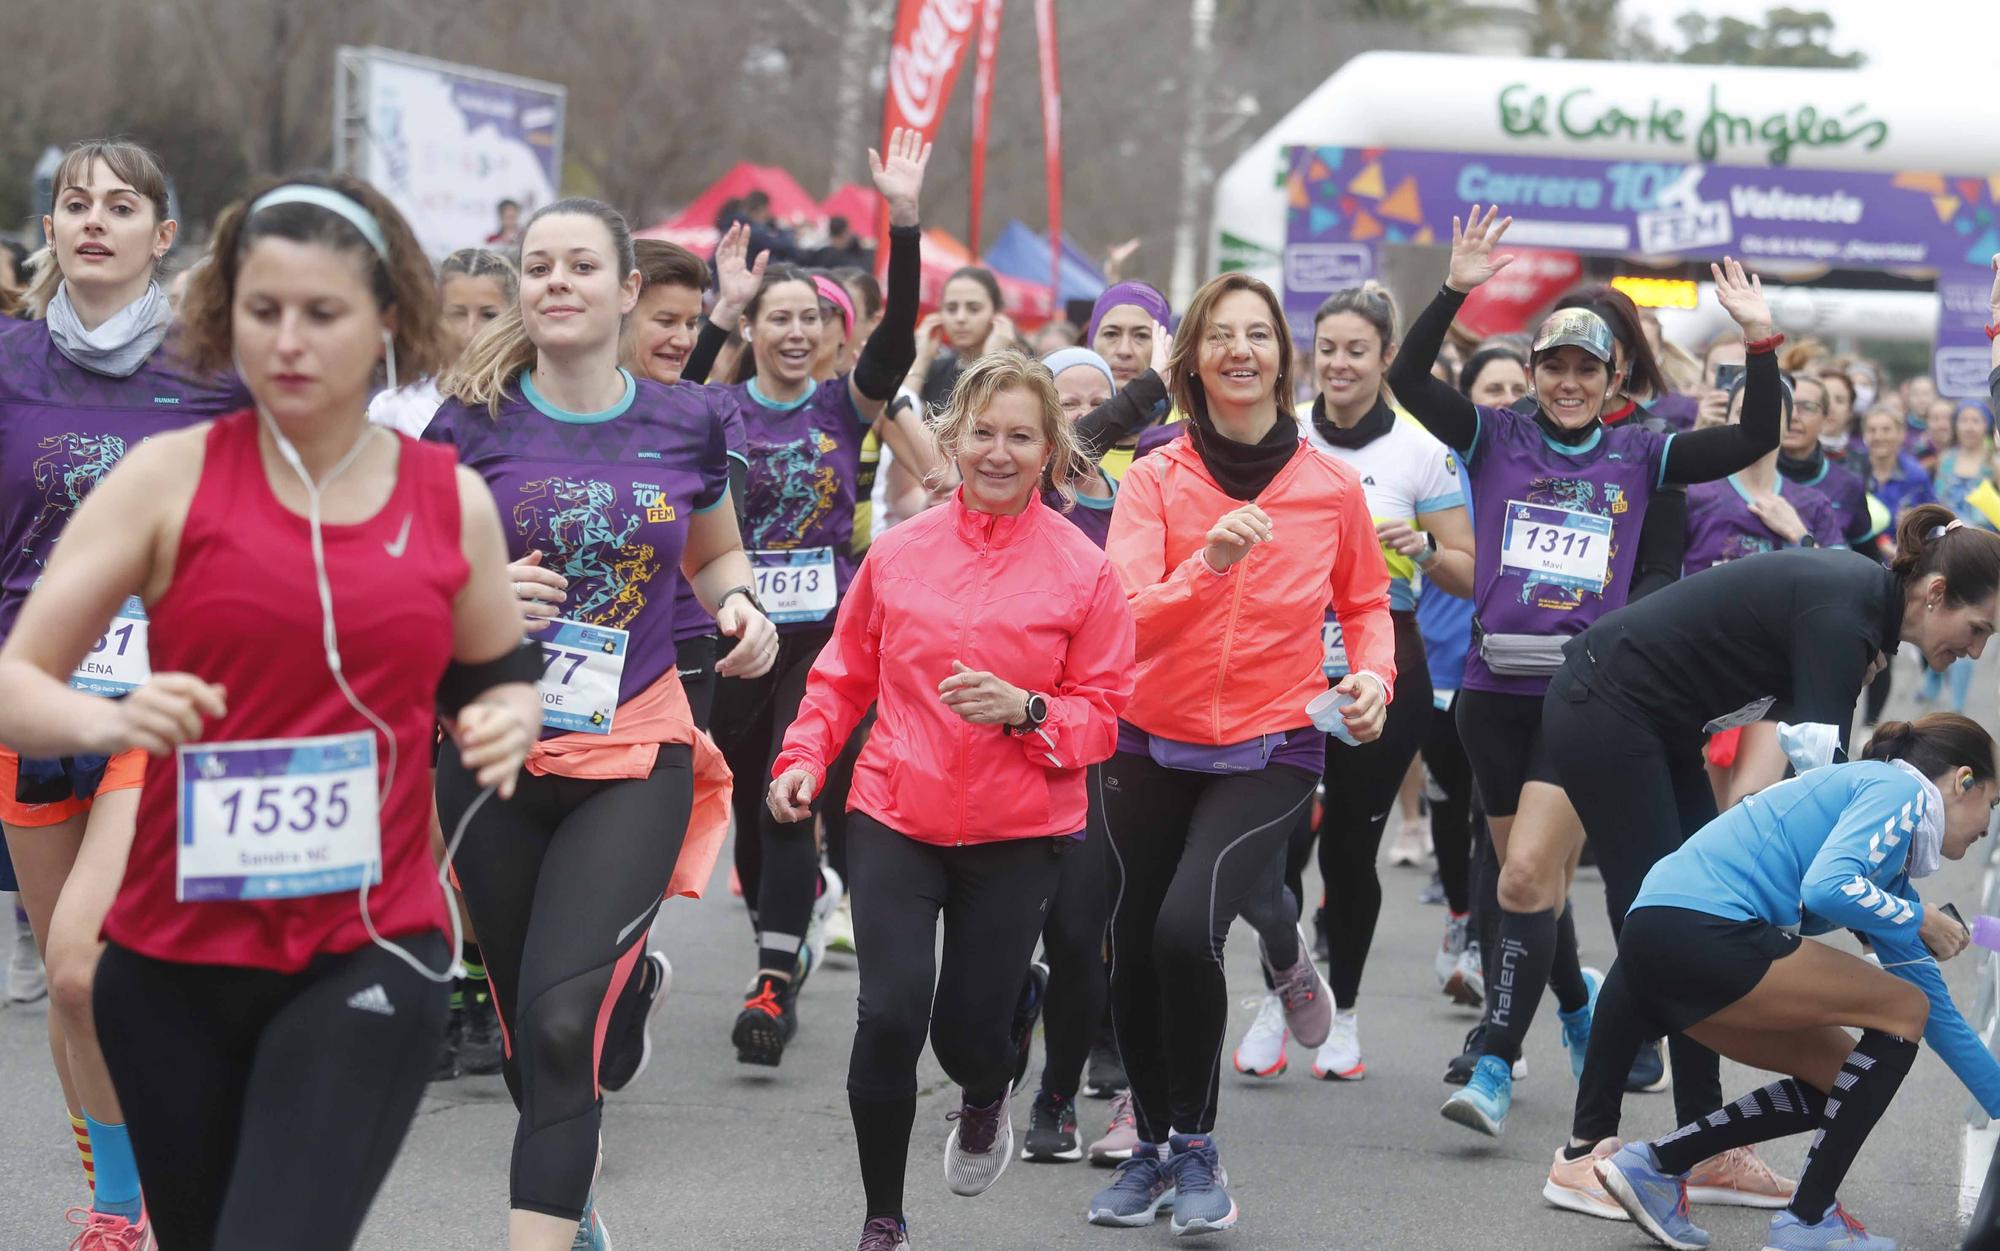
(1325, 713)
(1986, 932)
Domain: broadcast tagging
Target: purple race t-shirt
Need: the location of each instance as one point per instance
(1091, 516)
(804, 458)
(606, 497)
(62, 428)
(1722, 528)
(691, 620)
(1848, 496)
(1555, 529)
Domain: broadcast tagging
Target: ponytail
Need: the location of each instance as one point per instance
(1935, 745)
(1932, 540)
(495, 357)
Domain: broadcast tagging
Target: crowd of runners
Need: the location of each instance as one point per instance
(417, 633)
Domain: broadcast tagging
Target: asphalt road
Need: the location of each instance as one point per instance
(703, 1153)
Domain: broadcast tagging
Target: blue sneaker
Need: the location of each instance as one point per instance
(1138, 1190)
(1201, 1186)
(1576, 1025)
(1649, 1069)
(1483, 1103)
(1836, 1231)
(1656, 1202)
(590, 1232)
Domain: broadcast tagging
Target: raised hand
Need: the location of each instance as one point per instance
(736, 277)
(1163, 350)
(1472, 244)
(899, 176)
(1742, 297)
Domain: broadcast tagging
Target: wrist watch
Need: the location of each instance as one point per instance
(747, 592)
(1430, 552)
(1807, 540)
(1031, 720)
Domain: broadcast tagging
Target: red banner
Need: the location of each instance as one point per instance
(1045, 42)
(982, 112)
(1505, 303)
(924, 55)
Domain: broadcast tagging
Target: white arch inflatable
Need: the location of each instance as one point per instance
(1811, 119)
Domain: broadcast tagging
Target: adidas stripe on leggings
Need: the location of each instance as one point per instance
(266, 1108)
(562, 882)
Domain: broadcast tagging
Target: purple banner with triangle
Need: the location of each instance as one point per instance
(1346, 203)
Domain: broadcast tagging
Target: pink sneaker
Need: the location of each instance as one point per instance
(1118, 1142)
(104, 1232)
(1739, 1178)
(1573, 1184)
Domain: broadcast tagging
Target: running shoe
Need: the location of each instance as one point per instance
(101, 1231)
(1836, 1231)
(1457, 933)
(1121, 1137)
(628, 1040)
(1574, 1184)
(590, 1232)
(1105, 1077)
(1656, 1202)
(1261, 1054)
(1459, 1071)
(480, 1050)
(446, 1068)
(1406, 850)
(1027, 1011)
(1052, 1131)
(1482, 1105)
(1201, 1186)
(831, 891)
(1307, 998)
(27, 980)
(884, 1233)
(1339, 1058)
(766, 1023)
(840, 927)
(1433, 892)
(1739, 1178)
(1649, 1069)
(979, 1147)
(1466, 986)
(1143, 1184)
(1576, 1025)
(1322, 946)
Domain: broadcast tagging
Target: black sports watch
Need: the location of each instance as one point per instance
(747, 592)
(1807, 540)
(1038, 712)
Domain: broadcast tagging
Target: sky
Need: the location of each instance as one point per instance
(1905, 37)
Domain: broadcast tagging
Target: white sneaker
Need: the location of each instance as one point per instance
(980, 1145)
(832, 891)
(1467, 983)
(840, 927)
(1339, 1060)
(1445, 961)
(27, 982)
(1261, 1054)
(1406, 850)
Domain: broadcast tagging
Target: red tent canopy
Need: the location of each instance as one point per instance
(1027, 303)
(694, 226)
(858, 204)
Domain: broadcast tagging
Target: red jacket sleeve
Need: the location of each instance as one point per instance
(1158, 597)
(1359, 593)
(842, 684)
(1098, 673)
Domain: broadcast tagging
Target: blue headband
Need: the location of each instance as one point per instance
(333, 202)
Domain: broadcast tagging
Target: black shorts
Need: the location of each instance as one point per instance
(1683, 967)
(1502, 735)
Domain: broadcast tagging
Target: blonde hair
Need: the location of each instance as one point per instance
(1008, 370)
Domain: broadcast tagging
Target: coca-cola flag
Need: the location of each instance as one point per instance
(1045, 41)
(924, 55)
(982, 112)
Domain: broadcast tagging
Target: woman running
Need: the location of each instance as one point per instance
(1411, 483)
(1562, 500)
(1231, 544)
(1793, 634)
(1128, 327)
(970, 322)
(1713, 948)
(609, 484)
(319, 591)
(803, 438)
(997, 641)
(475, 287)
(77, 390)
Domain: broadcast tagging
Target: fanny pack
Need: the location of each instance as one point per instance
(1248, 756)
(1521, 655)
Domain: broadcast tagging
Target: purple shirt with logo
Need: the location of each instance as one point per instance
(1722, 528)
(606, 497)
(804, 460)
(1091, 516)
(62, 428)
(691, 620)
(1580, 504)
(1848, 496)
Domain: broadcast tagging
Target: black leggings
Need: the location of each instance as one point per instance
(563, 881)
(1188, 850)
(993, 898)
(777, 862)
(1073, 947)
(1451, 816)
(1639, 798)
(1360, 787)
(832, 798)
(695, 660)
(266, 1108)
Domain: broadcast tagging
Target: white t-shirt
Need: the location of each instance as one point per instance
(1404, 472)
(408, 409)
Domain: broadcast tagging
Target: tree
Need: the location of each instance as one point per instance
(1793, 38)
